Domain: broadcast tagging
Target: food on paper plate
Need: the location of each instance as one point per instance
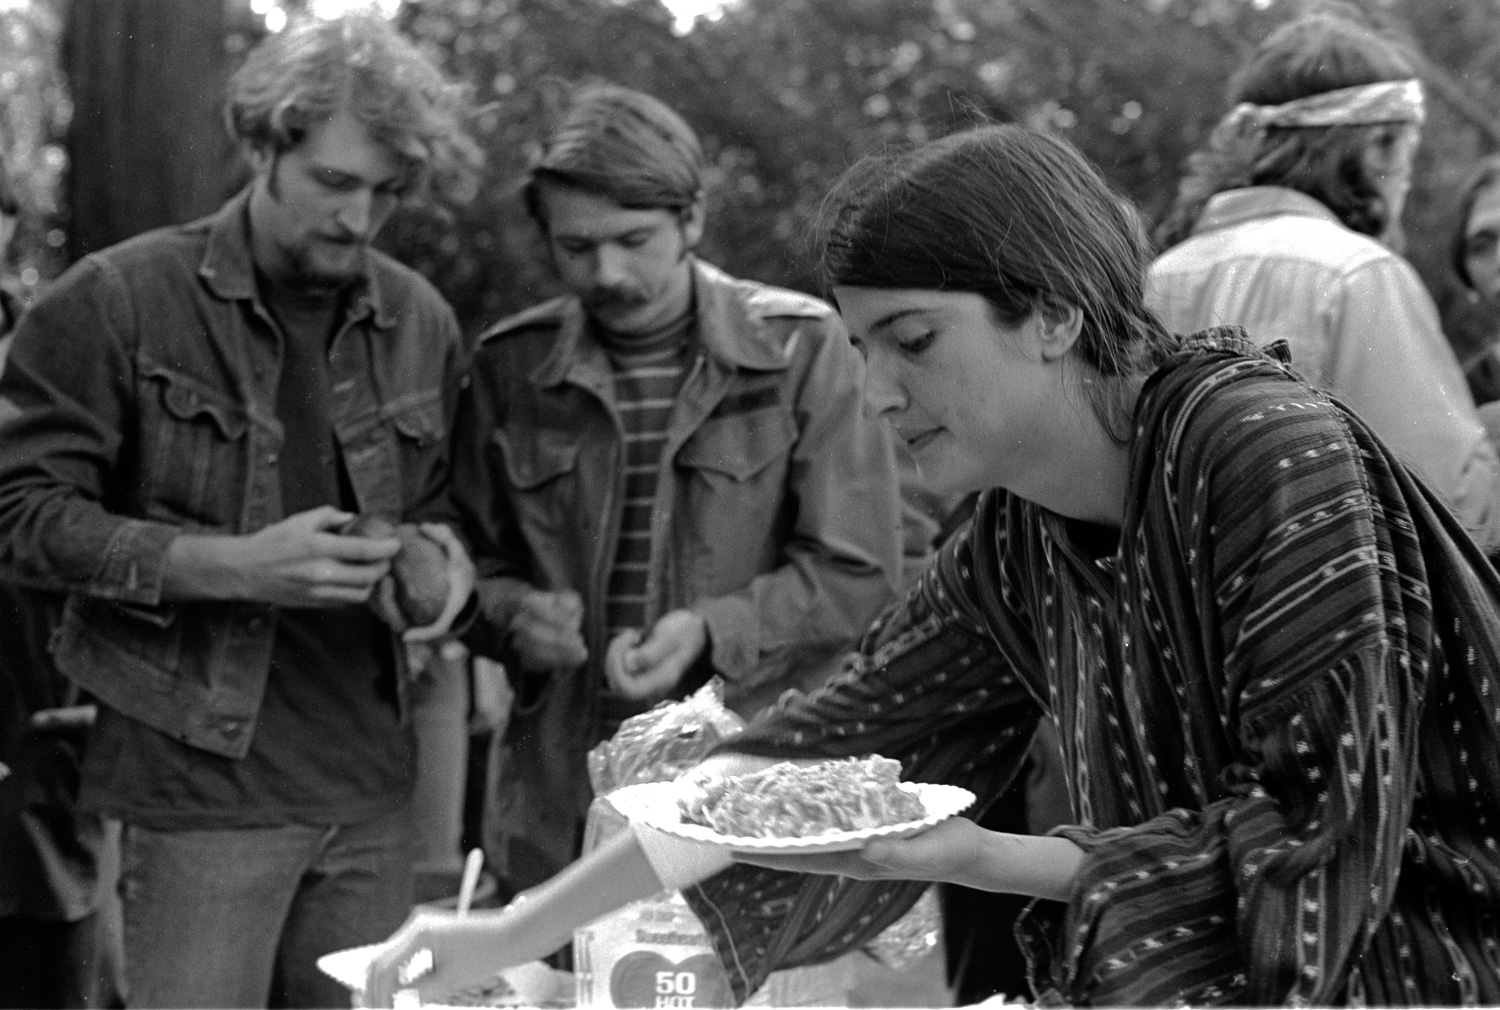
(797, 801)
(419, 571)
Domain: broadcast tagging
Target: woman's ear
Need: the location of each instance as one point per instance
(1059, 324)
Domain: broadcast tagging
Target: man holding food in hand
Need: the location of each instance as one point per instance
(665, 474)
(188, 422)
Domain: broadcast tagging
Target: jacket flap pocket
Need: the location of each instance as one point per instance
(740, 446)
(162, 615)
(422, 422)
(189, 399)
(534, 456)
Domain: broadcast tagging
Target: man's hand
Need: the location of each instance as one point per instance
(301, 561)
(648, 670)
(461, 578)
(547, 631)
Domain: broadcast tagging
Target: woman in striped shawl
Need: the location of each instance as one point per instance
(1269, 651)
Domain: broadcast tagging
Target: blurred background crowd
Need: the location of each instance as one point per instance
(110, 110)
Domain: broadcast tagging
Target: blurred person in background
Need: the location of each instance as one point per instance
(59, 915)
(665, 474)
(1277, 228)
(187, 421)
(10, 288)
(1475, 258)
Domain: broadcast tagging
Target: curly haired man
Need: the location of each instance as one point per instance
(189, 418)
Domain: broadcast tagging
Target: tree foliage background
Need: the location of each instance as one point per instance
(787, 93)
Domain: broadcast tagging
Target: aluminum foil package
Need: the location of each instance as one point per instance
(660, 744)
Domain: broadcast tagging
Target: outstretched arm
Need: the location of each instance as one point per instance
(469, 949)
(957, 851)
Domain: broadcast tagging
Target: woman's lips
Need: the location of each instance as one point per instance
(920, 440)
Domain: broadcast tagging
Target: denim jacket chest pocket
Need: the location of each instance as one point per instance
(396, 454)
(194, 450)
(733, 476)
(540, 465)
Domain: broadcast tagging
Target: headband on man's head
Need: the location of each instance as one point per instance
(1363, 105)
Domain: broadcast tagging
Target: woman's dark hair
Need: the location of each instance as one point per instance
(621, 144)
(1312, 55)
(1016, 216)
(1485, 176)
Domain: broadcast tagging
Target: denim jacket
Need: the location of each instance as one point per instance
(777, 519)
(139, 403)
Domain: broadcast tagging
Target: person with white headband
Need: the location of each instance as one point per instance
(1285, 224)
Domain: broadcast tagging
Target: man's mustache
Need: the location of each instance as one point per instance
(604, 298)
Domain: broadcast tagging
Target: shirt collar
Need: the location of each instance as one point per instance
(229, 272)
(1235, 206)
(727, 329)
(729, 324)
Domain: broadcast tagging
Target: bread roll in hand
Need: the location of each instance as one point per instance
(419, 571)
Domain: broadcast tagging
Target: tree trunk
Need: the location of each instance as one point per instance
(146, 144)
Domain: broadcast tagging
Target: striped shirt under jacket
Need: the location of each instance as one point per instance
(1276, 695)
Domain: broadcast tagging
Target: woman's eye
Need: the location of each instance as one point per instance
(916, 344)
(336, 182)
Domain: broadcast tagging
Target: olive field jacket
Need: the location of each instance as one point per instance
(777, 515)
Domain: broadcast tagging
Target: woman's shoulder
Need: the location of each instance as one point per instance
(1220, 392)
(1212, 364)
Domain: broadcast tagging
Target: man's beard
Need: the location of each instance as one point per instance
(310, 272)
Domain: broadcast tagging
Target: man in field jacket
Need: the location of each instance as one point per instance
(665, 475)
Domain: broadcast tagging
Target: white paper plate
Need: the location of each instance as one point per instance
(349, 966)
(655, 804)
(535, 983)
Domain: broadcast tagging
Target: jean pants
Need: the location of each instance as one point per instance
(238, 918)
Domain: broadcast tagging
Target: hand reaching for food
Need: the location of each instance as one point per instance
(648, 668)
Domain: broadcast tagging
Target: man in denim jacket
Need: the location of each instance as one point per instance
(187, 419)
(667, 474)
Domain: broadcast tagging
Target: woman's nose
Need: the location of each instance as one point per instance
(883, 394)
